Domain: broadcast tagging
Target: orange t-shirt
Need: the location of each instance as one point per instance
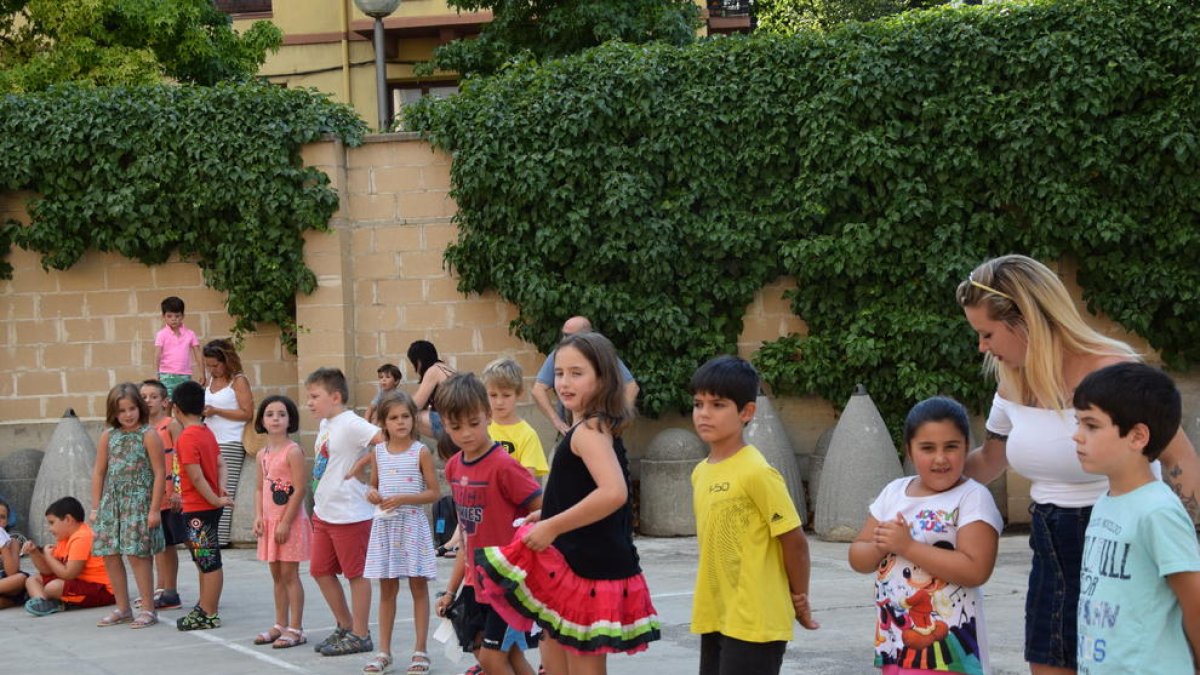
(78, 546)
(171, 462)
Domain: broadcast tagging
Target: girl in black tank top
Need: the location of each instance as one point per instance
(575, 570)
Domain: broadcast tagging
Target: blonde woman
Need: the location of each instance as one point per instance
(228, 406)
(1039, 348)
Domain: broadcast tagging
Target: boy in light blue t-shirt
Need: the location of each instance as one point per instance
(1139, 595)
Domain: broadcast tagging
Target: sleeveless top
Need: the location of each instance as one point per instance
(433, 394)
(604, 549)
(1040, 448)
(226, 430)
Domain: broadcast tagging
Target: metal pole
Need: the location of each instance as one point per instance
(380, 76)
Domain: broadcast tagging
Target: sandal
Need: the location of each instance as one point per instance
(379, 664)
(198, 620)
(292, 637)
(419, 665)
(144, 619)
(269, 636)
(115, 617)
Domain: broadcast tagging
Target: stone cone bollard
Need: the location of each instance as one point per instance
(816, 463)
(666, 474)
(241, 527)
(18, 475)
(66, 471)
(766, 433)
(860, 462)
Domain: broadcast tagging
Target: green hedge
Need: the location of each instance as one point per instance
(212, 173)
(655, 189)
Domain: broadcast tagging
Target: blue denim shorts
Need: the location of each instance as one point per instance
(435, 421)
(1056, 537)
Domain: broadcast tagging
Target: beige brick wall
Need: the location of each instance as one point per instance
(68, 336)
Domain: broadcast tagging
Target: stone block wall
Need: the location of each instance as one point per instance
(68, 336)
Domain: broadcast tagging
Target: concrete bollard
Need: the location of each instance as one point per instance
(241, 526)
(766, 433)
(860, 462)
(66, 471)
(666, 479)
(18, 475)
(816, 463)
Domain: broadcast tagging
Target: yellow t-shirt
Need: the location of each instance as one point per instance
(522, 442)
(742, 505)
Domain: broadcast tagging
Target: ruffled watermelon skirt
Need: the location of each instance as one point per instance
(590, 616)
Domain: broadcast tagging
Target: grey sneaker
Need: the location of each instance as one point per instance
(333, 638)
(349, 644)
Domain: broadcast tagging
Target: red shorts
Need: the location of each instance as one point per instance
(339, 549)
(82, 593)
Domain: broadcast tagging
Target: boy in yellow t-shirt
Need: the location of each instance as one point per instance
(754, 565)
(504, 382)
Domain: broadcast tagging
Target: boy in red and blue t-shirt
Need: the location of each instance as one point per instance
(200, 473)
(490, 490)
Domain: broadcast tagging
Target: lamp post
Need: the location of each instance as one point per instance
(378, 9)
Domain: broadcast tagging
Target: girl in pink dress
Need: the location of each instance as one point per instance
(280, 522)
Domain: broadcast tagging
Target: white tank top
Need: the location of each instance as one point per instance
(1040, 448)
(226, 430)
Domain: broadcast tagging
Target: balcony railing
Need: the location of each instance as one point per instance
(730, 7)
(243, 6)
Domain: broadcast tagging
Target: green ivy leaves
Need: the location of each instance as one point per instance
(656, 188)
(213, 173)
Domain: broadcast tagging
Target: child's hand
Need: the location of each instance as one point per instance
(258, 528)
(540, 536)
(374, 497)
(533, 517)
(154, 519)
(281, 533)
(443, 603)
(893, 536)
(176, 502)
(28, 547)
(224, 501)
(803, 611)
(393, 502)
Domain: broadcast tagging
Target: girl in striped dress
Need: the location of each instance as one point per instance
(402, 480)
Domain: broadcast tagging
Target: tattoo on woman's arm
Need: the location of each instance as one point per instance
(1171, 476)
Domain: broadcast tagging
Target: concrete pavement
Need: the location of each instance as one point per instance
(842, 600)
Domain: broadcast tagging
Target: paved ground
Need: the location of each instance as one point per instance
(70, 642)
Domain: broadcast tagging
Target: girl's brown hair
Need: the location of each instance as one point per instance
(130, 391)
(608, 401)
(391, 400)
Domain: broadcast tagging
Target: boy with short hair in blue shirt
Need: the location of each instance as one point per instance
(1139, 599)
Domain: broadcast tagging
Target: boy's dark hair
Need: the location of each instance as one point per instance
(67, 506)
(422, 355)
(189, 398)
(331, 380)
(172, 304)
(392, 370)
(293, 414)
(726, 377)
(461, 395)
(1131, 394)
(162, 388)
(936, 409)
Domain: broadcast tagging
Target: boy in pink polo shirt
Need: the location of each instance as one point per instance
(172, 345)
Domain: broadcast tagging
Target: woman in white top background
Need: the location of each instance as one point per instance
(228, 406)
(1038, 347)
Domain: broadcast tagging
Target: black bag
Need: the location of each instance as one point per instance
(445, 519)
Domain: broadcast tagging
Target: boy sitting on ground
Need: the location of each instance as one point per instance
(68, 573)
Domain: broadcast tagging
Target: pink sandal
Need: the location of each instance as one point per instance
(115, 617)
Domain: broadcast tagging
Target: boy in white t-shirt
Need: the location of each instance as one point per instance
(1139, 582)
(341, 513)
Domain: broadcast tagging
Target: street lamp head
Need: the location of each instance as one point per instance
(377, 9)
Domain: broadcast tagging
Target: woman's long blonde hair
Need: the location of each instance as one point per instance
(1029, 298)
